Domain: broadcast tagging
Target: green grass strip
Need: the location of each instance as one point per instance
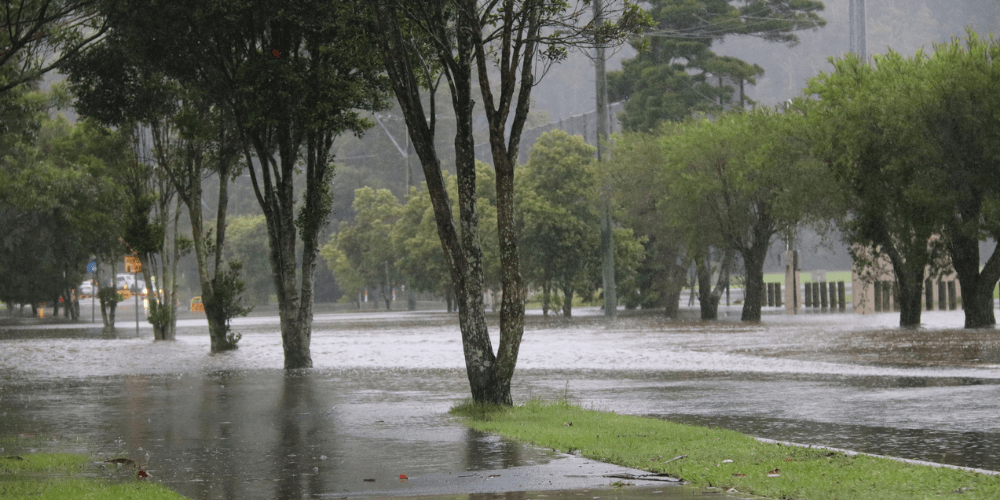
(722, 458)
(57, 476)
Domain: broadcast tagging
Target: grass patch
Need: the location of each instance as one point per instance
(58, 476)
(722, 458)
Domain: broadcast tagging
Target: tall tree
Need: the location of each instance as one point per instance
(114, 85)
(464, 39)
(367, 244)
(293, 75)
(59, 205)
(920, 158)
(864, 129)
(753, 177)
(676, 72)
(636, 164)
(557, 203)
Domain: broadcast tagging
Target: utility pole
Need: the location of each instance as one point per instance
(406, 141)
(607, 234)
(859, 40)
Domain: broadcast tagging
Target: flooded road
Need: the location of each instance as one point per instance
(374, 407)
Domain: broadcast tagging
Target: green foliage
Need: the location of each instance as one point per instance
(227, 298)
(737, 182)
(366, 246)
(557, 209)
(246, 242)
(722, 458)
(60, 205)
(919, 158)
(676, 73)
(633, 170)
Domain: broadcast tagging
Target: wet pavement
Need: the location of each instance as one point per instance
(236, 425)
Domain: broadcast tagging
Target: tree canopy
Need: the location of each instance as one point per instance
(914, 142)
(676, 72)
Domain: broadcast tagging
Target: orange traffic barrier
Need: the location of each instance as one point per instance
(196, 305)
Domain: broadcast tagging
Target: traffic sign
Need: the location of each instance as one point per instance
(132, 264)
(91, 267)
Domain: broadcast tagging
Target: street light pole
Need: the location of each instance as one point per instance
(859, 41)
(607, 230)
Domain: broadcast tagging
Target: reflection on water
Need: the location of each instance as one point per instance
(236, 425)
(265, 433)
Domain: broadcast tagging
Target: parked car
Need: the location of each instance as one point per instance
(124, 280)
(86, 289)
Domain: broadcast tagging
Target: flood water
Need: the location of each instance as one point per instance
(375, 406)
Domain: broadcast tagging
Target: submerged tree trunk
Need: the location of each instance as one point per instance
(676, 278)
(546, 291)
(568, 301)
(708, 296)
(753, 292)
(977, 285)
(909, 273)
(489, 375)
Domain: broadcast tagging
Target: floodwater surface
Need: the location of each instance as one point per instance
(236, 425)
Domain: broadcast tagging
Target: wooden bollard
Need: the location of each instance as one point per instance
(770, 294)
(823, 299)
(833, 295)
(952, 296)
(878, 296)
(807, 298)
(842, 296)
(777, 294)
(816, 294)
(942, 296)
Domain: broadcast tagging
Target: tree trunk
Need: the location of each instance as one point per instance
(489, 375)
(546, 290)
(977, 286)
(910, 280)
(568, 301)
(707, 302)
(708, 297)
(676, 278)
(910, 295)
(753, 293)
